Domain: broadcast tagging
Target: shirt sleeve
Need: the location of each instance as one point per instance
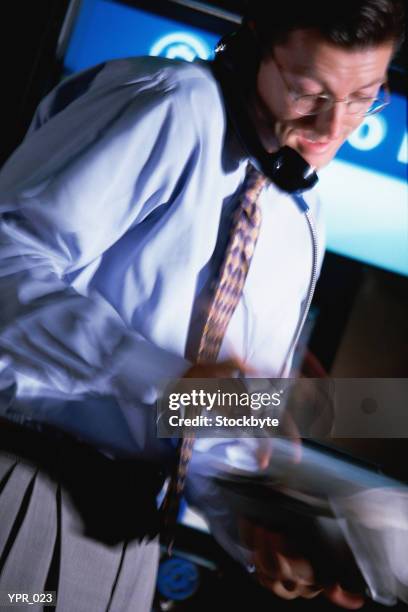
(70, 191)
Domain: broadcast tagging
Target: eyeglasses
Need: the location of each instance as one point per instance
(314, 104)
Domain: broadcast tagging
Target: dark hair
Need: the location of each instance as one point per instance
(347, 23)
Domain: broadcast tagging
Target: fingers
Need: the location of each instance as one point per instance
(279, 569)
(286, 574)
(286, 590)
(222, 369)
(263, 453)
(242, 366)
(264, 450)
(274, 559)
(300, 570)
(342, 598)
(311, 592)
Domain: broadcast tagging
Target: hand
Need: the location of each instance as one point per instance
(280, 568)
(223, 369)
(288, 428)
(229, 368)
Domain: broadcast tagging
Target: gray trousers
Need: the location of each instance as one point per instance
(91, 547)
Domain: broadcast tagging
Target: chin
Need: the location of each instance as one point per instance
(318, 152)
(318, 162)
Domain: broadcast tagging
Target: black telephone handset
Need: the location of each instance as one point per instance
(235, 67)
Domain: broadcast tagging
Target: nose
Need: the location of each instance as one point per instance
(330, 123)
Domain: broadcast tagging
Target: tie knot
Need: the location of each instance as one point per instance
(255, 181)
(253, 184)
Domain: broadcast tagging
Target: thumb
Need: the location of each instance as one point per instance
(264, 453)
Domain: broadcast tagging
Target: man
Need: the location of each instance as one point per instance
(115, 217)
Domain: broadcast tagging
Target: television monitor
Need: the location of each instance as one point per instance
(107, 29)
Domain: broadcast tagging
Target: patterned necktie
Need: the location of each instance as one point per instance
(231, 278)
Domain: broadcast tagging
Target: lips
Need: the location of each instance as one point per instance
(312, 145)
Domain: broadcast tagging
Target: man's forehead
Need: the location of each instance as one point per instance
(296, 41)
(306, 52)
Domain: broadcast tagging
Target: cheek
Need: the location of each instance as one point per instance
(273, 99)
(288, 127)
(294, 122)
(353, 123)
(274, 106)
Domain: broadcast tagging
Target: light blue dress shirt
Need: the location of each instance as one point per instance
(114, 219)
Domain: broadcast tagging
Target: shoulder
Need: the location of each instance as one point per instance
(149, 79)
(162, 74)
(184, 93)
(144, 104)
(189, 88)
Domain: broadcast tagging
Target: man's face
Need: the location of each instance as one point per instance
(307, 64)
